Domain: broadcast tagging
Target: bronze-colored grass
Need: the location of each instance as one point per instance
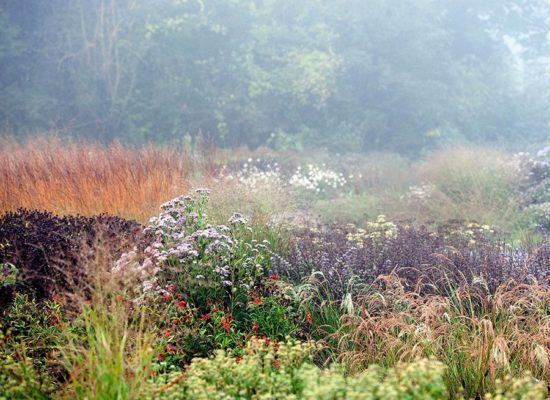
(90, 178)
(480, 337)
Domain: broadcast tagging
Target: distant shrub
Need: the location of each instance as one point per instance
(319, 181)
(255, 174)
(535, 186)
(310, 182)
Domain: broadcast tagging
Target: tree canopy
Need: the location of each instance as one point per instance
(350, 75)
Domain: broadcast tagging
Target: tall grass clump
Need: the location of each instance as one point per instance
(472, 184)
(481, 338)
(108, 344)
(88, 178)
(108, 353)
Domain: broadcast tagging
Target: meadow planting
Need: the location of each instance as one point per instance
(179, 273)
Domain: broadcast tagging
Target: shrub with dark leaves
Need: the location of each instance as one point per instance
(343, 260)
(535, 186)
(47, 251)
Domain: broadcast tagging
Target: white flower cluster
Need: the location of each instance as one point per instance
(255, 179)
(421, 193)
(317, 179)
(257, 175)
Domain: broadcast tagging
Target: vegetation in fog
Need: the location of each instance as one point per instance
(274, 199)
(347, 75)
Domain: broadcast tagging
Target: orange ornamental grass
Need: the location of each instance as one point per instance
(89, 178)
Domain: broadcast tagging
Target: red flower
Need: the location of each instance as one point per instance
(225, 324)
(308, 317)
(160, 357)
(206, 317)
(166, 296)
(276, 364)
(167, 333)
(181, 304)
(170, 349)
(175, 321)
(169, 287)
(255, 326)
(257, 301)
(55, 298)
(274, 276)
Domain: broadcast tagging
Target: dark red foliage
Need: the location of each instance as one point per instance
(432, 260)
(49, 250)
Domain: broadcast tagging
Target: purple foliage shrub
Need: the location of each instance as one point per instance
(48, 250)
(432, 261)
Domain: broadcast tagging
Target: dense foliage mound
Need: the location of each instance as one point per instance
(46, 252)
(347, 258)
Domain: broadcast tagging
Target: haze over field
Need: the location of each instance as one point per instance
(275, 199)
(346, 75)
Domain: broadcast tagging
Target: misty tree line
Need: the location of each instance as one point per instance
(400, 75)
